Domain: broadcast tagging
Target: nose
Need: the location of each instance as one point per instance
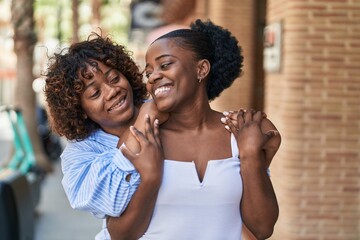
(110, 91)
(155, 76)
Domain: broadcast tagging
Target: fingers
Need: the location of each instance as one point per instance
(233, 120)
(240, 117)
(148, 129)
(157, 132)
(231, 127)
(253, 115)
(248, 115)
(139, 136)
(257, 116)
(232, 115)
(152, 133)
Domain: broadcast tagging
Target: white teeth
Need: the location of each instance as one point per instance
(161, 89)
(117, 105)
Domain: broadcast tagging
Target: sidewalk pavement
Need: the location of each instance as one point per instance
(56, 220)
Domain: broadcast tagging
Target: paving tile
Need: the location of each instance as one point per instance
(56, 220)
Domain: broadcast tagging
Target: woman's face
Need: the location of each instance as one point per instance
(172, 75)
(107, 98)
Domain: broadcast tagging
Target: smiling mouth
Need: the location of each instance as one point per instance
(161, 89)
(117, 105)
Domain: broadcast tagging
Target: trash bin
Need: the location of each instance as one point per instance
(16, 206)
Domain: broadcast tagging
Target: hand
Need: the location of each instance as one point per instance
(233, 117)
(149, 161)
(247, 130)
(148, 108)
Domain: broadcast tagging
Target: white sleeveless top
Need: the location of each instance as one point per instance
(187, 209)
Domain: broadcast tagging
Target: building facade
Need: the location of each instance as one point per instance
(313, 97)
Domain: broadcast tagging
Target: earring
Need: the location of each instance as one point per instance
(199, 79)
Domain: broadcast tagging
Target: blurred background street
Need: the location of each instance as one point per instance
(54, 218)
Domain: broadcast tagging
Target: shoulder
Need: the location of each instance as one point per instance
(266, 126)
(97, 140)
(86, 143)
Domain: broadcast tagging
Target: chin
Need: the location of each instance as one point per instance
(164, 106)
(128, 115)
(131, 112)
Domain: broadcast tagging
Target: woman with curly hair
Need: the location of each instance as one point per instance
(94, 91)
(214, 180)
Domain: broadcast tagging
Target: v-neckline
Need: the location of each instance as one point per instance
(234, 153)
(192, 164)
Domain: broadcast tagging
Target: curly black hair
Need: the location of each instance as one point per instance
(63, 86)
(216, 44)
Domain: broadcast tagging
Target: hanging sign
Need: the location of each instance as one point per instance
(272, 47)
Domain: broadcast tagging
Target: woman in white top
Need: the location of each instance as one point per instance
(214, 180)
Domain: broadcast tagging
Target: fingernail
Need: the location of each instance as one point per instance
(156, 121)
(223, 120)
(225, 113)
(147, 116)
(227, 127)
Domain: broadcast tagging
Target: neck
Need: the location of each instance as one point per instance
(194, 117)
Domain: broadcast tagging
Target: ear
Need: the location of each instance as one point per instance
(203, 68)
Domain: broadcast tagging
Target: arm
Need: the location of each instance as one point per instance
(133, 223)
(149, 162)
(259, 206)
(94, 178)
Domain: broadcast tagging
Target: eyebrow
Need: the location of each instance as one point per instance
(108, 72)
(161, 56)
(89, 85)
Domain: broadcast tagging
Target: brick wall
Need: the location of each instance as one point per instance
(315, 103)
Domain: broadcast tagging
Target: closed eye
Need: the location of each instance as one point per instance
(165, 65)
(115, 80)
(95, 94)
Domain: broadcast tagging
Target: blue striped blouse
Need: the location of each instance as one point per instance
(94, 172)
